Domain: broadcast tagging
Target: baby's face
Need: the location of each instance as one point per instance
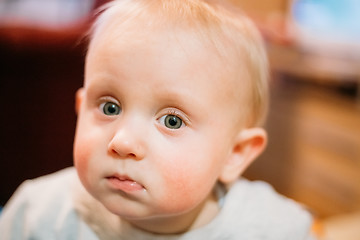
(156, 124)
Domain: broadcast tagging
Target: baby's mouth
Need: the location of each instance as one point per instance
(124, 183)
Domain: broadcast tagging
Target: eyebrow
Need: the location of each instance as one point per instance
(185, 102)
(100, 81)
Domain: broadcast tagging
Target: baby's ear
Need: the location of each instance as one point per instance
(78, 99)
(248, 145)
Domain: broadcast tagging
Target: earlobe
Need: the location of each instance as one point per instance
(78, 99)
(248, 145)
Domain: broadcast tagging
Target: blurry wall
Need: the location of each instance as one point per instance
(41, 67)
(37, 90)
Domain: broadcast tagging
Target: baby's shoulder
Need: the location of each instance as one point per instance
(256, 205)
(47, 189)
(41, 190)
(259, 196)
(42, 206)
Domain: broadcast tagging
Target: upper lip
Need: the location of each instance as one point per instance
(121, 177)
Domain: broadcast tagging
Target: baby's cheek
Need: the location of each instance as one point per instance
(185, 189)
(82, 152)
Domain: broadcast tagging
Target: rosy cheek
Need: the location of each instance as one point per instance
(82, 156)
(185, 186)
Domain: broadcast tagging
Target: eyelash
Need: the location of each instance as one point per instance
(176, 113)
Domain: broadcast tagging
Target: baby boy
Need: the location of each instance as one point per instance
(169, 116)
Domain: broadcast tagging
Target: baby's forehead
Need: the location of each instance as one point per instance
(169, 44)
(192, 36)
(197, 20)
(176, 42)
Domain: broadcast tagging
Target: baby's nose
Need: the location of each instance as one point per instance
(128, 143)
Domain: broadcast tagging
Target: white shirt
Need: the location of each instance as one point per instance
(56, 206)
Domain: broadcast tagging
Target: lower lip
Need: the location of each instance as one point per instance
(127, 186)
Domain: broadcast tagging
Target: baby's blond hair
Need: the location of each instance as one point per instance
(227, 29)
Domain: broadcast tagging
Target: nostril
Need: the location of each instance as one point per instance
(129, 155)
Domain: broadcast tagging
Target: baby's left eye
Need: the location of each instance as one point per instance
(172, 121)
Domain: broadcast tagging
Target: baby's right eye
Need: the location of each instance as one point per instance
(110, 108)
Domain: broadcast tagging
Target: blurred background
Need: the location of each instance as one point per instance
(313, 154)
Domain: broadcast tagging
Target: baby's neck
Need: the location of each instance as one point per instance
(202, 215)
(209, 211)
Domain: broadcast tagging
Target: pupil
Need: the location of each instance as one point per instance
(173, 121)
(111, 108)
